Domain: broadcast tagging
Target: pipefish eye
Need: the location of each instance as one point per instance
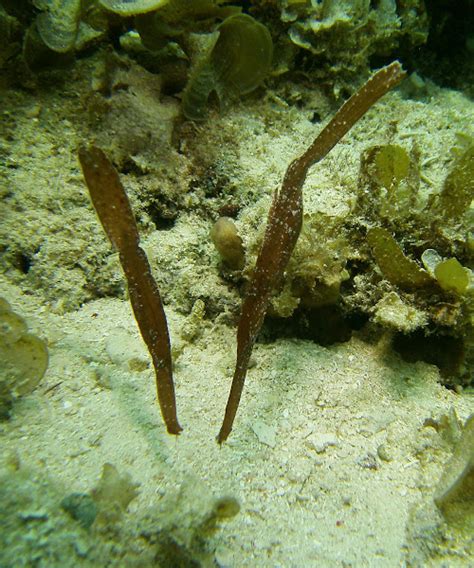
(236, 63)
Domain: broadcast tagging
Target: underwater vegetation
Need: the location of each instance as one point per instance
(235, 63)
(207, 48)
(45, 524)
(23, 358)
(342, 36)
(454, 495)
(216, 48)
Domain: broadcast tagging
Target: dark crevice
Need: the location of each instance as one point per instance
(444, 351)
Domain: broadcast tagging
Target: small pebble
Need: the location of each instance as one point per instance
(265, 434)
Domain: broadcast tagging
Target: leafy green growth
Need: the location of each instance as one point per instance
(132, 7)
(452, 276)
(58, 24)
(391, 177)
(23, 358)
(455, 493)
(179, 17)
(392, 165)
(236, 62)
(458, 189)
(395, 266)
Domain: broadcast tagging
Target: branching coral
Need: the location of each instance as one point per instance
(284, 226)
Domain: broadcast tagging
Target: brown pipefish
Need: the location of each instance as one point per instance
(284, 226)
(116, 215)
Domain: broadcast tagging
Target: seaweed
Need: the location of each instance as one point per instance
(23, 358)
(237, 60)
(452, 276)
(228, 243)
(395, 266)
(58, 24)
(132, 7)
(284, 226)
(344, 36)
(458, 189)
(454, 495)
(116, 215)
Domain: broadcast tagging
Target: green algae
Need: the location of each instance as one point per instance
(58, 23)
(23, 358)
(395, 266)
(392, 165)
(458, 190)
(237, 60)
(390, 174)
(455, 492)
(132, 7)
(179, 17)
(452, 276)
(343, 35)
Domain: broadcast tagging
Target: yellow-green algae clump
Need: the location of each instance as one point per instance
(452, 276)
(458, 189)
(235, 63)
(393, 263)
(130, 8)
(23, 358)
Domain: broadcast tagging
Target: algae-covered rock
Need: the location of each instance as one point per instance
(343, 35)
(23, 358)
(236, 61)
(317, 267)
(454, 495)
(81, 507)
(184, 522)
(392, 312)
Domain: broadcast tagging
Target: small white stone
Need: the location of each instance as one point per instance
(265, 434)
(319, 442)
